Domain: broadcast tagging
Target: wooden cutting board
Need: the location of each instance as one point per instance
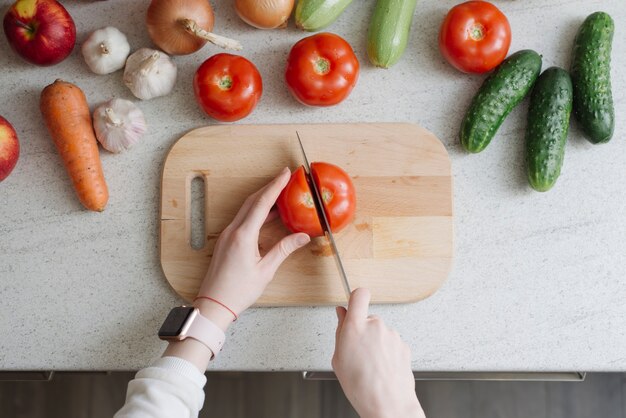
(400, 244)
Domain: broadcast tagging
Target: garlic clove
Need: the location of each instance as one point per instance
(105, 50)
(118, 124)
(149, 73)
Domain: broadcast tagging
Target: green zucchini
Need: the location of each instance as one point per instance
(389, 31)
(499, 94)
(546, 130)
(591, 77)
(313, 15)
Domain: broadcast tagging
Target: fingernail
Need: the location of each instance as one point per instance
(303, 239)
(286, 170)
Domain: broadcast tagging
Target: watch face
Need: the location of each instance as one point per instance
(175, 321)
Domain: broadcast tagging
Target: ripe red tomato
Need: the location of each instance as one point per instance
(297, 209)
(321, 70)
(475, 36)
(227, 87)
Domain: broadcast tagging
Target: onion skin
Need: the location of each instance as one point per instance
(164, 19)
(265, 14)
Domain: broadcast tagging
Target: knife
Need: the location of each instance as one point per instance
(317, 199)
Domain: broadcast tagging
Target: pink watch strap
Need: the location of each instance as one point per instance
(205, 331)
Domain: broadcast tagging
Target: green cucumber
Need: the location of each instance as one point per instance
(313, 15)
(499, 94)
(591, 77)
(389, 31)
(546, 130)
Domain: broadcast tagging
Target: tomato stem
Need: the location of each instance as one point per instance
(322, 66)
(307, 200)
(327, 195)
(477, 31)
(225, 83)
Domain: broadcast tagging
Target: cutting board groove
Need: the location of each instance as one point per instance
(400, 244)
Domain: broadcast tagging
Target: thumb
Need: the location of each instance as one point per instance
(358, 305)
(275, 257)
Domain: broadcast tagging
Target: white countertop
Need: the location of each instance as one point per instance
(538, 283)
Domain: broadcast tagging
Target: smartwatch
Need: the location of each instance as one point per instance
(186, 322)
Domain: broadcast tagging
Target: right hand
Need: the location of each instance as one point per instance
(373, 364)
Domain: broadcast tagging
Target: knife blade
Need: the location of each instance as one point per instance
(317, 199)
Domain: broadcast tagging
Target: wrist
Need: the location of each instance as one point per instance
(214, 312)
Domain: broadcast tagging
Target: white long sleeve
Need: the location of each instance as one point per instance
(170, 388)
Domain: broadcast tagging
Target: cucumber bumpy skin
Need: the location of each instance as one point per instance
(388, 32)
(498, 95)
(313, 15)
(591, 77)
(548, 123)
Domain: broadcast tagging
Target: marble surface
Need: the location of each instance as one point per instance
(538, 283)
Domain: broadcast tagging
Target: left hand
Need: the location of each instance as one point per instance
(238, 274)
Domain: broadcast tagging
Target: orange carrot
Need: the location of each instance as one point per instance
(66, 113)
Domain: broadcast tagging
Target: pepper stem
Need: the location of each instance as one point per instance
(111, 117)
(192, 27)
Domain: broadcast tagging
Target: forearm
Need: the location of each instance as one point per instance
(173, 385)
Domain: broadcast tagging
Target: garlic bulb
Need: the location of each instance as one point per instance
(149, 73)
(118, 124)
(106, 50)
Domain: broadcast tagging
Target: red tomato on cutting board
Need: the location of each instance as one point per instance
(297, 208)
(475, 37)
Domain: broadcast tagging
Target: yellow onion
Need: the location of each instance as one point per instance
(264, 14)
(181, 27)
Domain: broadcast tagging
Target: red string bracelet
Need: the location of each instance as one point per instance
(219, 303)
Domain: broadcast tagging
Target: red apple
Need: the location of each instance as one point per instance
(9, 148)
(41, 31)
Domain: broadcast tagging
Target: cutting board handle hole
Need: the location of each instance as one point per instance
(197, 215)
